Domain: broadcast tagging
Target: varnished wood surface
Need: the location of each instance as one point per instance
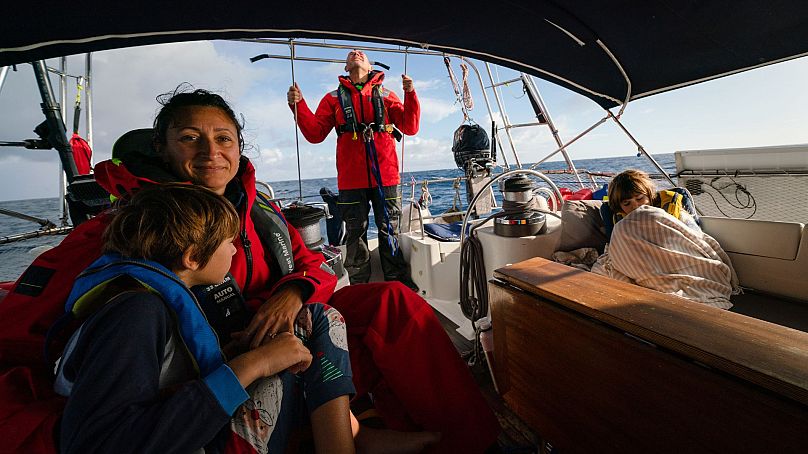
(769, 355)
(588, 387)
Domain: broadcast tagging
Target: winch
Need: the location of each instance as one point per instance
(306, 219)
(519, 204)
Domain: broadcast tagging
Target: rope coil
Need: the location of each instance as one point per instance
(462, 95)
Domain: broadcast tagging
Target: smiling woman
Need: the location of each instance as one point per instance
(199, 137)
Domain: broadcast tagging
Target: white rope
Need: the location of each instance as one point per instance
(468, 102)
(459, 94)
(426, 198)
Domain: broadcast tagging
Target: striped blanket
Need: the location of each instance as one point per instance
(653, 249)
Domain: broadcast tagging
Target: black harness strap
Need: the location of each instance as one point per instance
(348, 111)
(274, 235)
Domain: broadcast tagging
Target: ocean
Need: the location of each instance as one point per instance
(15, 256)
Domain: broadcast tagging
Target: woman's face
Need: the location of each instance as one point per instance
(632, 203)
(202, 146)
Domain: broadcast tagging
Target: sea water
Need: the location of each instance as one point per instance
(15, 257)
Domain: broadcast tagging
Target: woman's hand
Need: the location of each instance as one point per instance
(280, 352)
(275, 316)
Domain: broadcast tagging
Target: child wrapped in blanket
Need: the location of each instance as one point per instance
(663, 249)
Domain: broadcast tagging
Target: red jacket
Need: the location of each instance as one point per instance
(307, 272)
(353, 168)
(29, 409)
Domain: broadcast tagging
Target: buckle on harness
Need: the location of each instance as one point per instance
(386, 128)
(367, 133)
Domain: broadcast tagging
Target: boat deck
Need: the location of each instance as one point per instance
(516, 436)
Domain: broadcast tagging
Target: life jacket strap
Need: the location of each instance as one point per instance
(360, 127)
(348, 111)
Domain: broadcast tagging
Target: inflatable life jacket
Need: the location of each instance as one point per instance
(378, 125)
(671, 202)
(197, 335)
(29, 408)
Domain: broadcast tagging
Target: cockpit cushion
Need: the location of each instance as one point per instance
(581, 226)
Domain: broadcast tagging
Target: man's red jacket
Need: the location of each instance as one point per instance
(353, 168)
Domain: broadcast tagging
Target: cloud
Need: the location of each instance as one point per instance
(326, 69)
(393, 81)
(270, 156)
(434, 110)
(710, 115)
(428, 85)
(124, 86)
(425, 153)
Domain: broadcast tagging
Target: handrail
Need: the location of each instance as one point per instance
(473, 202)
(417, 207)
(270, 191)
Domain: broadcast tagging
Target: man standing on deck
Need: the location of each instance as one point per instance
(368, 119)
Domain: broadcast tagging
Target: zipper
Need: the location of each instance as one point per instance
(245, 242)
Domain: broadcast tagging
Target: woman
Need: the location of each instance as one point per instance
(396, 343)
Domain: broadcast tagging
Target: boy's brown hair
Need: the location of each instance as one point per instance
(161, 222)
(626, 185)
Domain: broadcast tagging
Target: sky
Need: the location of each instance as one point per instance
(762, 107)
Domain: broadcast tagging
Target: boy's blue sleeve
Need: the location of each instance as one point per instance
(227, 389)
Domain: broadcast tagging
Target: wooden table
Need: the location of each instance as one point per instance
(597, 365)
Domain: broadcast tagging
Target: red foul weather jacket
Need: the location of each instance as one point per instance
(318, 284)
(353, 167)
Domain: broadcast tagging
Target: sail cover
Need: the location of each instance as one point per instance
(609, 51)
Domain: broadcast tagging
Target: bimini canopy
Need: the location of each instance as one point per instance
(609, 51)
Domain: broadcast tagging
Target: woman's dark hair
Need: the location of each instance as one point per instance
(180, 98)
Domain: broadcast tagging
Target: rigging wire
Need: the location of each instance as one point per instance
(406, 54)
(297, 129)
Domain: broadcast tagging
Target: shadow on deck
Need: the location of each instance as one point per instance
(516, 437)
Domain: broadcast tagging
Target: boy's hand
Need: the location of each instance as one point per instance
(281, 352)
(275, 316)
